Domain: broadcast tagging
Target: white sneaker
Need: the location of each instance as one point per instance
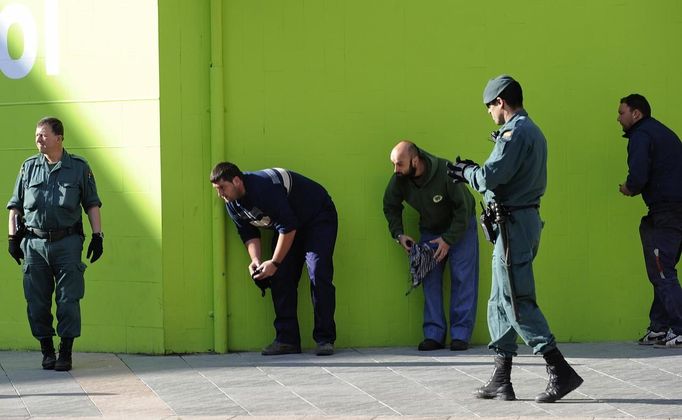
(673, 341)
(654, 337)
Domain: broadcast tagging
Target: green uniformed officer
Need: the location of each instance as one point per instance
(46, 230)
(513, 180)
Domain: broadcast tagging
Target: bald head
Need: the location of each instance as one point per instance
(404, 148)
(405, 159)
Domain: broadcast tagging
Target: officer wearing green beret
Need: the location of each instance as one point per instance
(513, 180)
(46, 231)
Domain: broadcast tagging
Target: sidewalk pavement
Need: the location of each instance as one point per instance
(622, 380)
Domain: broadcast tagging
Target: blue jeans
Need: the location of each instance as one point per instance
(661, 234)
(463, 257)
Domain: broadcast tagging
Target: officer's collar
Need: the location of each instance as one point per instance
(513, 120)
(64, 162)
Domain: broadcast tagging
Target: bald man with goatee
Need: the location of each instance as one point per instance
(447, 223)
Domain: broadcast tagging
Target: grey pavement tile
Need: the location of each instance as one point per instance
(115, 389)
(400, 393)
(248, 377)
(45, 392)
(445, 417)
(277, 403)
(327, 391)
(183, 389)
(302, 417)
(11, 404)
(356, 408)
(622, 380)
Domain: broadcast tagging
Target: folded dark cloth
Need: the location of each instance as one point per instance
(261, 284)
(422, 261)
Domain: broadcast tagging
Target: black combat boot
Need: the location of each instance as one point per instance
(562, 378)
(499, 386)
(47, 348)
(64, 360)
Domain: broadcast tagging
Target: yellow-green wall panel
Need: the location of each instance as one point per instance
(184, 32)
(327, 88)
(104, 88)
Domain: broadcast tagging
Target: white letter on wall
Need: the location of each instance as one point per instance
(20, 15)
(51, 37)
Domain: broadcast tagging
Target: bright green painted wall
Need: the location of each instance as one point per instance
(328, 87)
(106, 92)
(184, 35)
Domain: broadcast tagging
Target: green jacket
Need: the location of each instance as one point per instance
(52, 199)
(445, 208)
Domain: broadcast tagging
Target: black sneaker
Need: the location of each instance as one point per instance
(276, 348)
(324, 349)
(653, 337)
(429, 344)
(672, 341)
(458, 345)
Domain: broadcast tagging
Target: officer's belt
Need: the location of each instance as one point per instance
(53, 235)
(515, 208)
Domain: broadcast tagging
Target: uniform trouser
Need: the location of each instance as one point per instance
(661, 234)
(524, 239)
(53, 267)
(314, 245)
(463, 258)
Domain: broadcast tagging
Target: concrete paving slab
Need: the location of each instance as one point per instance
(622, 380)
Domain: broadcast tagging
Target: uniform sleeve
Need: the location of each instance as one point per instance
(17, 199)
(503, 163)
(245, 230)
(393, 208)
(461, 209)
(639, 147)
(89, 197)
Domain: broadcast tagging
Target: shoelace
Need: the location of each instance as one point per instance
(552, 382)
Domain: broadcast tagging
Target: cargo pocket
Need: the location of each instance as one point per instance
(26, 272)
(71, 282)
(33, 193)
(80, 290)
(69, 195)
(522, 255)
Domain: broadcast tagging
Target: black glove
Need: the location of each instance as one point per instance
(494, 135)
(96, 247)
(456, 170)
(15, 248)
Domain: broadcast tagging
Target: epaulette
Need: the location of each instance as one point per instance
(30, 158)
(82, 159)
(507, 134)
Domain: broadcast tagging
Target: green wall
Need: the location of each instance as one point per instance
(327, 88)
(102, 82)
(184, 45)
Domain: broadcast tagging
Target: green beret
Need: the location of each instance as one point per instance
(495, 87)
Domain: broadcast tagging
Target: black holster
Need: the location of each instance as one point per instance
(488, 222)
(20, 227)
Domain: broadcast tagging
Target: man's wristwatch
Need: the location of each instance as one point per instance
(98, 235)
(275, 263)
